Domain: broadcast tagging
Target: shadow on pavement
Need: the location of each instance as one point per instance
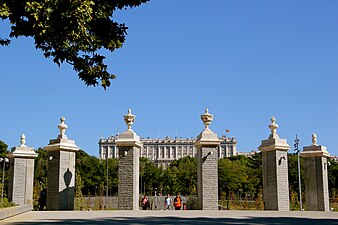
(188, 221)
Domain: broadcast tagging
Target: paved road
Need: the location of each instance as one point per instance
(173, 217)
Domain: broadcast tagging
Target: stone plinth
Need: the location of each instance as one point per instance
(275, 171)
(61, 172)
(21, 174)
(207, 166)
(316, 178)
(129, 145)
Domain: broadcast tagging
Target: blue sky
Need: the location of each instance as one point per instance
(244, 60)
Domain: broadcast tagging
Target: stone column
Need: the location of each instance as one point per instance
(316, 176)
(275, 171)
(129, 145)
(21, 173)
(234, 150)
(207, 166)
(61, 171)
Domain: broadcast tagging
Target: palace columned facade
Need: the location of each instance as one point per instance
(164, 151)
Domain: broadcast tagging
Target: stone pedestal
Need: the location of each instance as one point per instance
(207, 166)
(275, 171)
(316, 178)
(21, 174)
(129, 145)
(61, 171)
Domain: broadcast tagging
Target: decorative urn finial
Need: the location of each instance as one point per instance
(314, 139)
(62, 127)
(129, 119)
(273, 127)
(207, 119)
(23, 140)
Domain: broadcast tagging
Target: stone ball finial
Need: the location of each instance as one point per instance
(62, 127)
(314, 139)
(129, 119)
(207, 118)
(23, 140)
(273, 127)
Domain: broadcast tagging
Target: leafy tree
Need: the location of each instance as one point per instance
(171, 181)
(152, 175)
(186, 169)
(113, 179)
(253, 165)
(91, 171)
(333, 178)
(232, 175)
(40, 168)
(3, 153)
(294, 180)
(79, 200)
(71, 31)
(254, 172)
(3, 149)
(40, 176)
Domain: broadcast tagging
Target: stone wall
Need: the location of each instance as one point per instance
(283, 181)
(61, 180)
(128, 191)
(269, 180)
(21, 182)
(53, 181)
(275, 180)
(317, 196)
(156, 202)
(207, 185)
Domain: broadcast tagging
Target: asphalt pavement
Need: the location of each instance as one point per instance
(171, 217)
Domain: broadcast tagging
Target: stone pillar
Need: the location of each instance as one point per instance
(61, 171)
(207, 166)
(129, 145)
(234, 149)
(316, 176)
(21, 173)
(275, 171)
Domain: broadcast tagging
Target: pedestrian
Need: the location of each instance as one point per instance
(184, 202)
(167, 202)
(178, 202)
(42, 199)
(144, 202)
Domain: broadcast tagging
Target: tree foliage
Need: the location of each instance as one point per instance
(3, 149)
(41, 167)
(232, 175)
(179, 177)
(151, 175)
(333, 178)
(240, 173)
(71, 31)
(184, 174)
(93, 173)
(293, 173)
(3, 154)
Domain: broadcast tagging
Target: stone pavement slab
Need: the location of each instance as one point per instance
(170, 217)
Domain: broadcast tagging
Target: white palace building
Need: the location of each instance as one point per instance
(163, 151)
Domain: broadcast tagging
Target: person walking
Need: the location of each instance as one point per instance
(167, 202)
(178, 202)
(144, 202)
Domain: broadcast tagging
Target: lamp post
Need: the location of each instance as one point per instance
(297, 150)
(155, 198)
(4, 160)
